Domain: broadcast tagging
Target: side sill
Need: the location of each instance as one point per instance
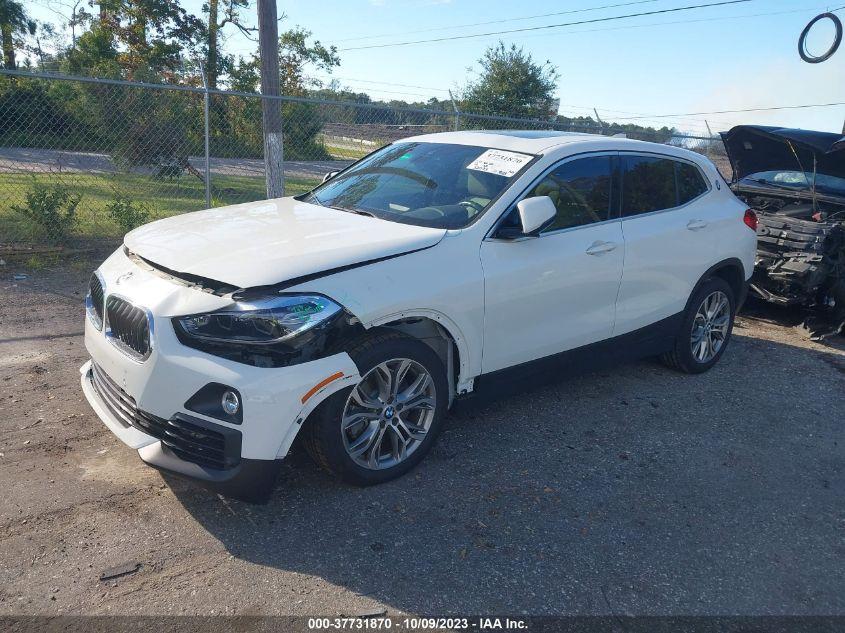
(651, 340)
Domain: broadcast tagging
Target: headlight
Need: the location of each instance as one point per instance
(266, 321)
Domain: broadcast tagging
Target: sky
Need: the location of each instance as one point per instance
(653, 70)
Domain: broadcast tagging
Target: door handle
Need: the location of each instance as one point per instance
(696, 225)
(600, 248)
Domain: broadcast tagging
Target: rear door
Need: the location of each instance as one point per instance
(555, 292)
(669, 239)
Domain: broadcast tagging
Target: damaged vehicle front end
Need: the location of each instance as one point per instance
(795, 182)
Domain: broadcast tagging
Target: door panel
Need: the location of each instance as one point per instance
(666, 251)
(549, 294)
(664, 259)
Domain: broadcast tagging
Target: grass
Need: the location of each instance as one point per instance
(339, 149)
(346, 153)
(161, 198)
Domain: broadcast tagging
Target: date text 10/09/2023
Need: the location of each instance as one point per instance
(417, 624)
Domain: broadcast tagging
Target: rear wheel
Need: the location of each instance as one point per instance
(384, 425)
(706, 328)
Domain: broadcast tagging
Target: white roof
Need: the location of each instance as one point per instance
(551, 141)
(530, 141)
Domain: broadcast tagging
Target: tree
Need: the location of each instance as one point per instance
(511, 83)
(13, 21)
(143, 38)
(296, 55)
(216, 64)
(74, 16)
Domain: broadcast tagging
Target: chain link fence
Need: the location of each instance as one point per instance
(85, 159)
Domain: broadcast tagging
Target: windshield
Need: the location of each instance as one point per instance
(438, 185)
(798, 180)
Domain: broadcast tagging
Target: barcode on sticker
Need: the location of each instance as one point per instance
(499, 162)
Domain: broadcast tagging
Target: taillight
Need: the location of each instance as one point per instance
(750, 219)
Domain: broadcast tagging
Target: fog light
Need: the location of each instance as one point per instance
(230, 402)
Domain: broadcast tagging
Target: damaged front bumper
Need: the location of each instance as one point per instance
(162, 443)
(799, 262)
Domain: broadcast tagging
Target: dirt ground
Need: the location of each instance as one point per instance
(630, 491)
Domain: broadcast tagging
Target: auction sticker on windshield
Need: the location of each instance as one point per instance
(500, 162)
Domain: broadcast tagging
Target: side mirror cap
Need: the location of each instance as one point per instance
(330, 175)
(535, 214)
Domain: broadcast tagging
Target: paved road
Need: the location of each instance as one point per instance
(630, 491)
(28, 160)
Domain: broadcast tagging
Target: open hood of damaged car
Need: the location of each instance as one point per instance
(272, 241)
(757, 148)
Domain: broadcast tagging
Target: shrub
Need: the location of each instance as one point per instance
(51, 207)
(126, 213)
(302, 125)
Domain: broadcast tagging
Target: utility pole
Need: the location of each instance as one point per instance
(271, 107)
(205, 102)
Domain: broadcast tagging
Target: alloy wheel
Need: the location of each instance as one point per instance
(388, 414)
(710, 327)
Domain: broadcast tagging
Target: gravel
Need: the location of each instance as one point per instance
(634, 490)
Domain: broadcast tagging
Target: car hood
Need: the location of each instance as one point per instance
(756, 148)
(272, 241)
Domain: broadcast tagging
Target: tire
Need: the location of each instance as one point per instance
(331, 445)
(682, 357)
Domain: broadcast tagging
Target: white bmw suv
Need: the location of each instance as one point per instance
(357, 313)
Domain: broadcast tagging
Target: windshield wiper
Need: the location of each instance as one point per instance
(355, 211)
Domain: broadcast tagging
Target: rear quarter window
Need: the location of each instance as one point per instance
(654, 183)
(691, 183)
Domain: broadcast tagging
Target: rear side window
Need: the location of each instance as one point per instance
(651, 183)
(581, 191)
(648, 185)
(690, 182)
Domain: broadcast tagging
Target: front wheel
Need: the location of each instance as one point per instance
(384, 425)
(706, 328)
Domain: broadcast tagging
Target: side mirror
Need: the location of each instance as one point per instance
(330, 175)
(535, 214)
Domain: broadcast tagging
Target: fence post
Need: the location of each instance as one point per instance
(709, 142)
(205, 112)
(457, 112)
